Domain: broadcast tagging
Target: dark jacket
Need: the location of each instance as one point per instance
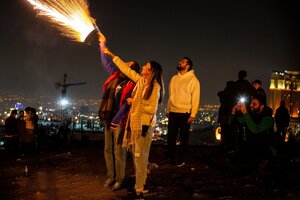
(282, 117)
(11, 127)
(111, 112)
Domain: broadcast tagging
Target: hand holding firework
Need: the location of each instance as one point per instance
(106, 51)
(102, 40)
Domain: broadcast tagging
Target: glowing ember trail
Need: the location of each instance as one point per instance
(71, 17)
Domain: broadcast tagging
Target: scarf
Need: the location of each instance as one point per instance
(126, 92)
(134, 126)
(109, 80)
(106, 106)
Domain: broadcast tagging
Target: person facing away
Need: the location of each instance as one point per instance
(11, 124)
(259, 128)
(11, 131)
(113, 112)
(243, 92)
(259, 90)
(243, 88)
(282, 120)
(146, 96)
(224, 112)
(182, 107)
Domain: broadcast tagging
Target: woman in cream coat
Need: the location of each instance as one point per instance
(146, 96)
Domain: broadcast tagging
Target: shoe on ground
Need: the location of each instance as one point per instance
(132, 191)
(181, 164)
(108, 182)
(145, 191)
(116, 186)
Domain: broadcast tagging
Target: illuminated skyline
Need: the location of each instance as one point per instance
(285, 85)
(221, 39)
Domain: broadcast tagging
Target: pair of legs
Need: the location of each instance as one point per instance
(140, 152)
(178, 124)
(281, 131)
(29, 145)
(114, 154)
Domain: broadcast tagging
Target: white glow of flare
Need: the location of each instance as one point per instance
(71, 17)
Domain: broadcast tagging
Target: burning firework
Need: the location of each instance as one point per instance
(71, 17)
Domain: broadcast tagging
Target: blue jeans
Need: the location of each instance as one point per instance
(140, 153)
(114, 154)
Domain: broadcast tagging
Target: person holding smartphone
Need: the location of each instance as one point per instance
(258, 122)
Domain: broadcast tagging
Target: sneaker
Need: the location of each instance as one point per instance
(108, 182)
(116, 186)
(145, 191)
(181, 164)
(132, 191)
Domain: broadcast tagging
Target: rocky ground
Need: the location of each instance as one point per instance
(79, 173)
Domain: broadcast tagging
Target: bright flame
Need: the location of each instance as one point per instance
(286, 139)
(71, 17)
(218, 133)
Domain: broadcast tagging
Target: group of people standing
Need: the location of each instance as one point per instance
(21, 130)
(247, 123)
(128, 110)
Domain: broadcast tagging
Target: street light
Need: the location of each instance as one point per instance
(64, 102)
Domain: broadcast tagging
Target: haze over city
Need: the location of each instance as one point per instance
(220, 37)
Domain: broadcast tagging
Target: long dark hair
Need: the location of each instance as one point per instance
(156, 76)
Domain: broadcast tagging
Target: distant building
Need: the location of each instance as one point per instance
(285, 85)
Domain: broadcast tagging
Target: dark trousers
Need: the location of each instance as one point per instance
(281, 131)
(11, 143)
(178, 124)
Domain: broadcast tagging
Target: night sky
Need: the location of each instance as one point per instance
(221, 37)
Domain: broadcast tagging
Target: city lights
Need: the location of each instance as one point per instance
(64, 102)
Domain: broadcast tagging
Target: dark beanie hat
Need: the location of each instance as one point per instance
(260, 98)
(257, 81)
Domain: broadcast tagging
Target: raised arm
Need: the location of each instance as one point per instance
(106, 60)
(108, 64)
(123, 67)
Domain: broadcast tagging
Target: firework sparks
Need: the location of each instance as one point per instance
(71, 17)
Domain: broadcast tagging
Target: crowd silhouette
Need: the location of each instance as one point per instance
(25, 135)
(248, 129)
